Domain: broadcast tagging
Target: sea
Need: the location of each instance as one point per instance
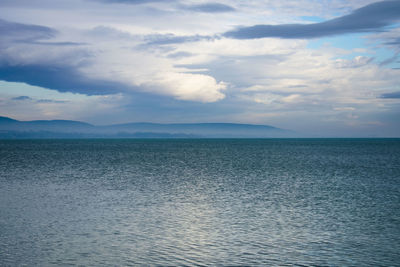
(200, 202)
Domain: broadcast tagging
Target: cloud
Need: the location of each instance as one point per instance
(11, 31)
(169, 61)
(25, 44)
(205, 7)
(58, 105)
(391, 95)
(188, 86)
(166, 39)
(344, 108)
(50, 101)
(55, 43)
(62, 79)
(108, 33)
(105, 67)
(27, 98)
(357, 62)
(210, 8)
(372, 17)
(21, 98)
(273, 98)
(131, 2)
(29, 34)
(180, 55)
(395, 42)
(392, 59)
(24, 57)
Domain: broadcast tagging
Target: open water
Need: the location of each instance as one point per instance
(306, 202)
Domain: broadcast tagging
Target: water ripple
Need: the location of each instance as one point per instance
(200, 202)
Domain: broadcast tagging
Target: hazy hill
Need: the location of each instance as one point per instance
(8, 124)
(5, 120)
(10, 128)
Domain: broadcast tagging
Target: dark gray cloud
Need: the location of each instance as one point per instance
(27, 98)
(24, 32)
(210, 8)
(393, 42)
(21, 98)
(54, 43)
(50, 101)
(12, 32)
(390, 60)
(104, 32)
(62, 79)
(62, 75)
(391, 95)
(372, 17)
(166, 39)
(180, 55)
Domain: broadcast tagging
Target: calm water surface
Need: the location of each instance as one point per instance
(308, 202)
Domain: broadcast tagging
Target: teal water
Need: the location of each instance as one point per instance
(306, 202)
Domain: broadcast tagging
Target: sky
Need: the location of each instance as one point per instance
(318, 67)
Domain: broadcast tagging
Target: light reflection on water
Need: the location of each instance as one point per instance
(200, 202)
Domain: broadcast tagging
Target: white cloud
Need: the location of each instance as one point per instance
(187, 86)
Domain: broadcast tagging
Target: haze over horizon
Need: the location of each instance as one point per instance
(325, 68)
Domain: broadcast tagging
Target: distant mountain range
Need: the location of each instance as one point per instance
(14, 129)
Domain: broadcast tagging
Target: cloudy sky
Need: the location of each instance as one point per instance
(319, 67)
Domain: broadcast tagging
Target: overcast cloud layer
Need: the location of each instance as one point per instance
(264, 62)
